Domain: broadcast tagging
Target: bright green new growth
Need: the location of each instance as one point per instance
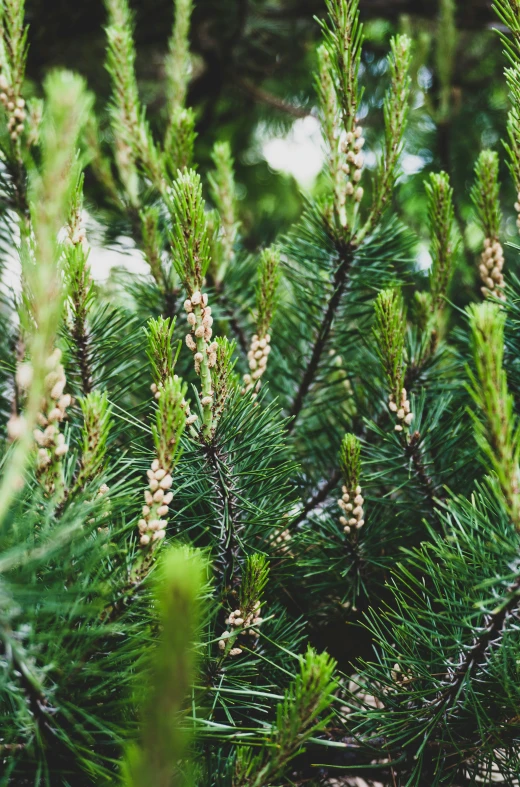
(350, 461)
(255, 576)
(222, 189)
(14, 40)
(297, 720)
(267, 289)
(396, 107)
(324, 81)
(389, 331)
(13, 57)
(97, 422)
(159, 332)
(180, 129)
(170, 420)
(498, 434)
(330, 123)
(152, 244)
(223, 376)
(343, 39)
(189, 235)
(339, 61)
(485, 196)
(79, 289)
(513, 130)
(508, 13)
(51, 188)
(441, 223)
(179, 585)
(135, 148)
(177, 65)
(485, 193)
(179, 141)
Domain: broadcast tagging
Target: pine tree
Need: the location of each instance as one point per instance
(212, 471)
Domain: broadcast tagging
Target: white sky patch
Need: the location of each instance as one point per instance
(412, 164)
(102, 260)
(300, 152)
(424, 259)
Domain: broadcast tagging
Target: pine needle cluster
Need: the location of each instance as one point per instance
(259, 514)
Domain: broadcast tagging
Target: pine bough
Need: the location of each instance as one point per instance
(233, 460)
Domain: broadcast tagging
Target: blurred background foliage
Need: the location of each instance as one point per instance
(252, 83)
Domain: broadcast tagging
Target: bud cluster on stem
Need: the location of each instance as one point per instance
(266, 299)
(257, 360)
(351, 146)
(198, 340)
(158, 496)
(351, 500)
(485, 197)
(351, 503)
(240, 623)
(50, 442)
(401, 408)
(490, 268)
(390, 331)
(170, 422)
(76, 231)
(14, 106)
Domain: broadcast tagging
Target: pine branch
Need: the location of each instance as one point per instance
(297, 719)
(38, 702)
(441, 222)
(14, 46)
(228, 527)
(319, 497)
(68, 107)
(499, 435)
(345, 259)
(475, 656)
(412, 449)
(485, 197)
(178, 588)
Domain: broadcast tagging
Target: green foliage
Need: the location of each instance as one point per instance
(178, 588)
(297, 719)
(389, 333)
(180, 142)
(177, 63)
(498, 435)
(169, 570)
(190, 234)
(97, 422)
(395, 108)
(350, 460)
(135, 147)
(344, 40)
(485, 193)
(159, 333)
(169, 423)
(222, 188)
(266, 293)
(441, 221)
